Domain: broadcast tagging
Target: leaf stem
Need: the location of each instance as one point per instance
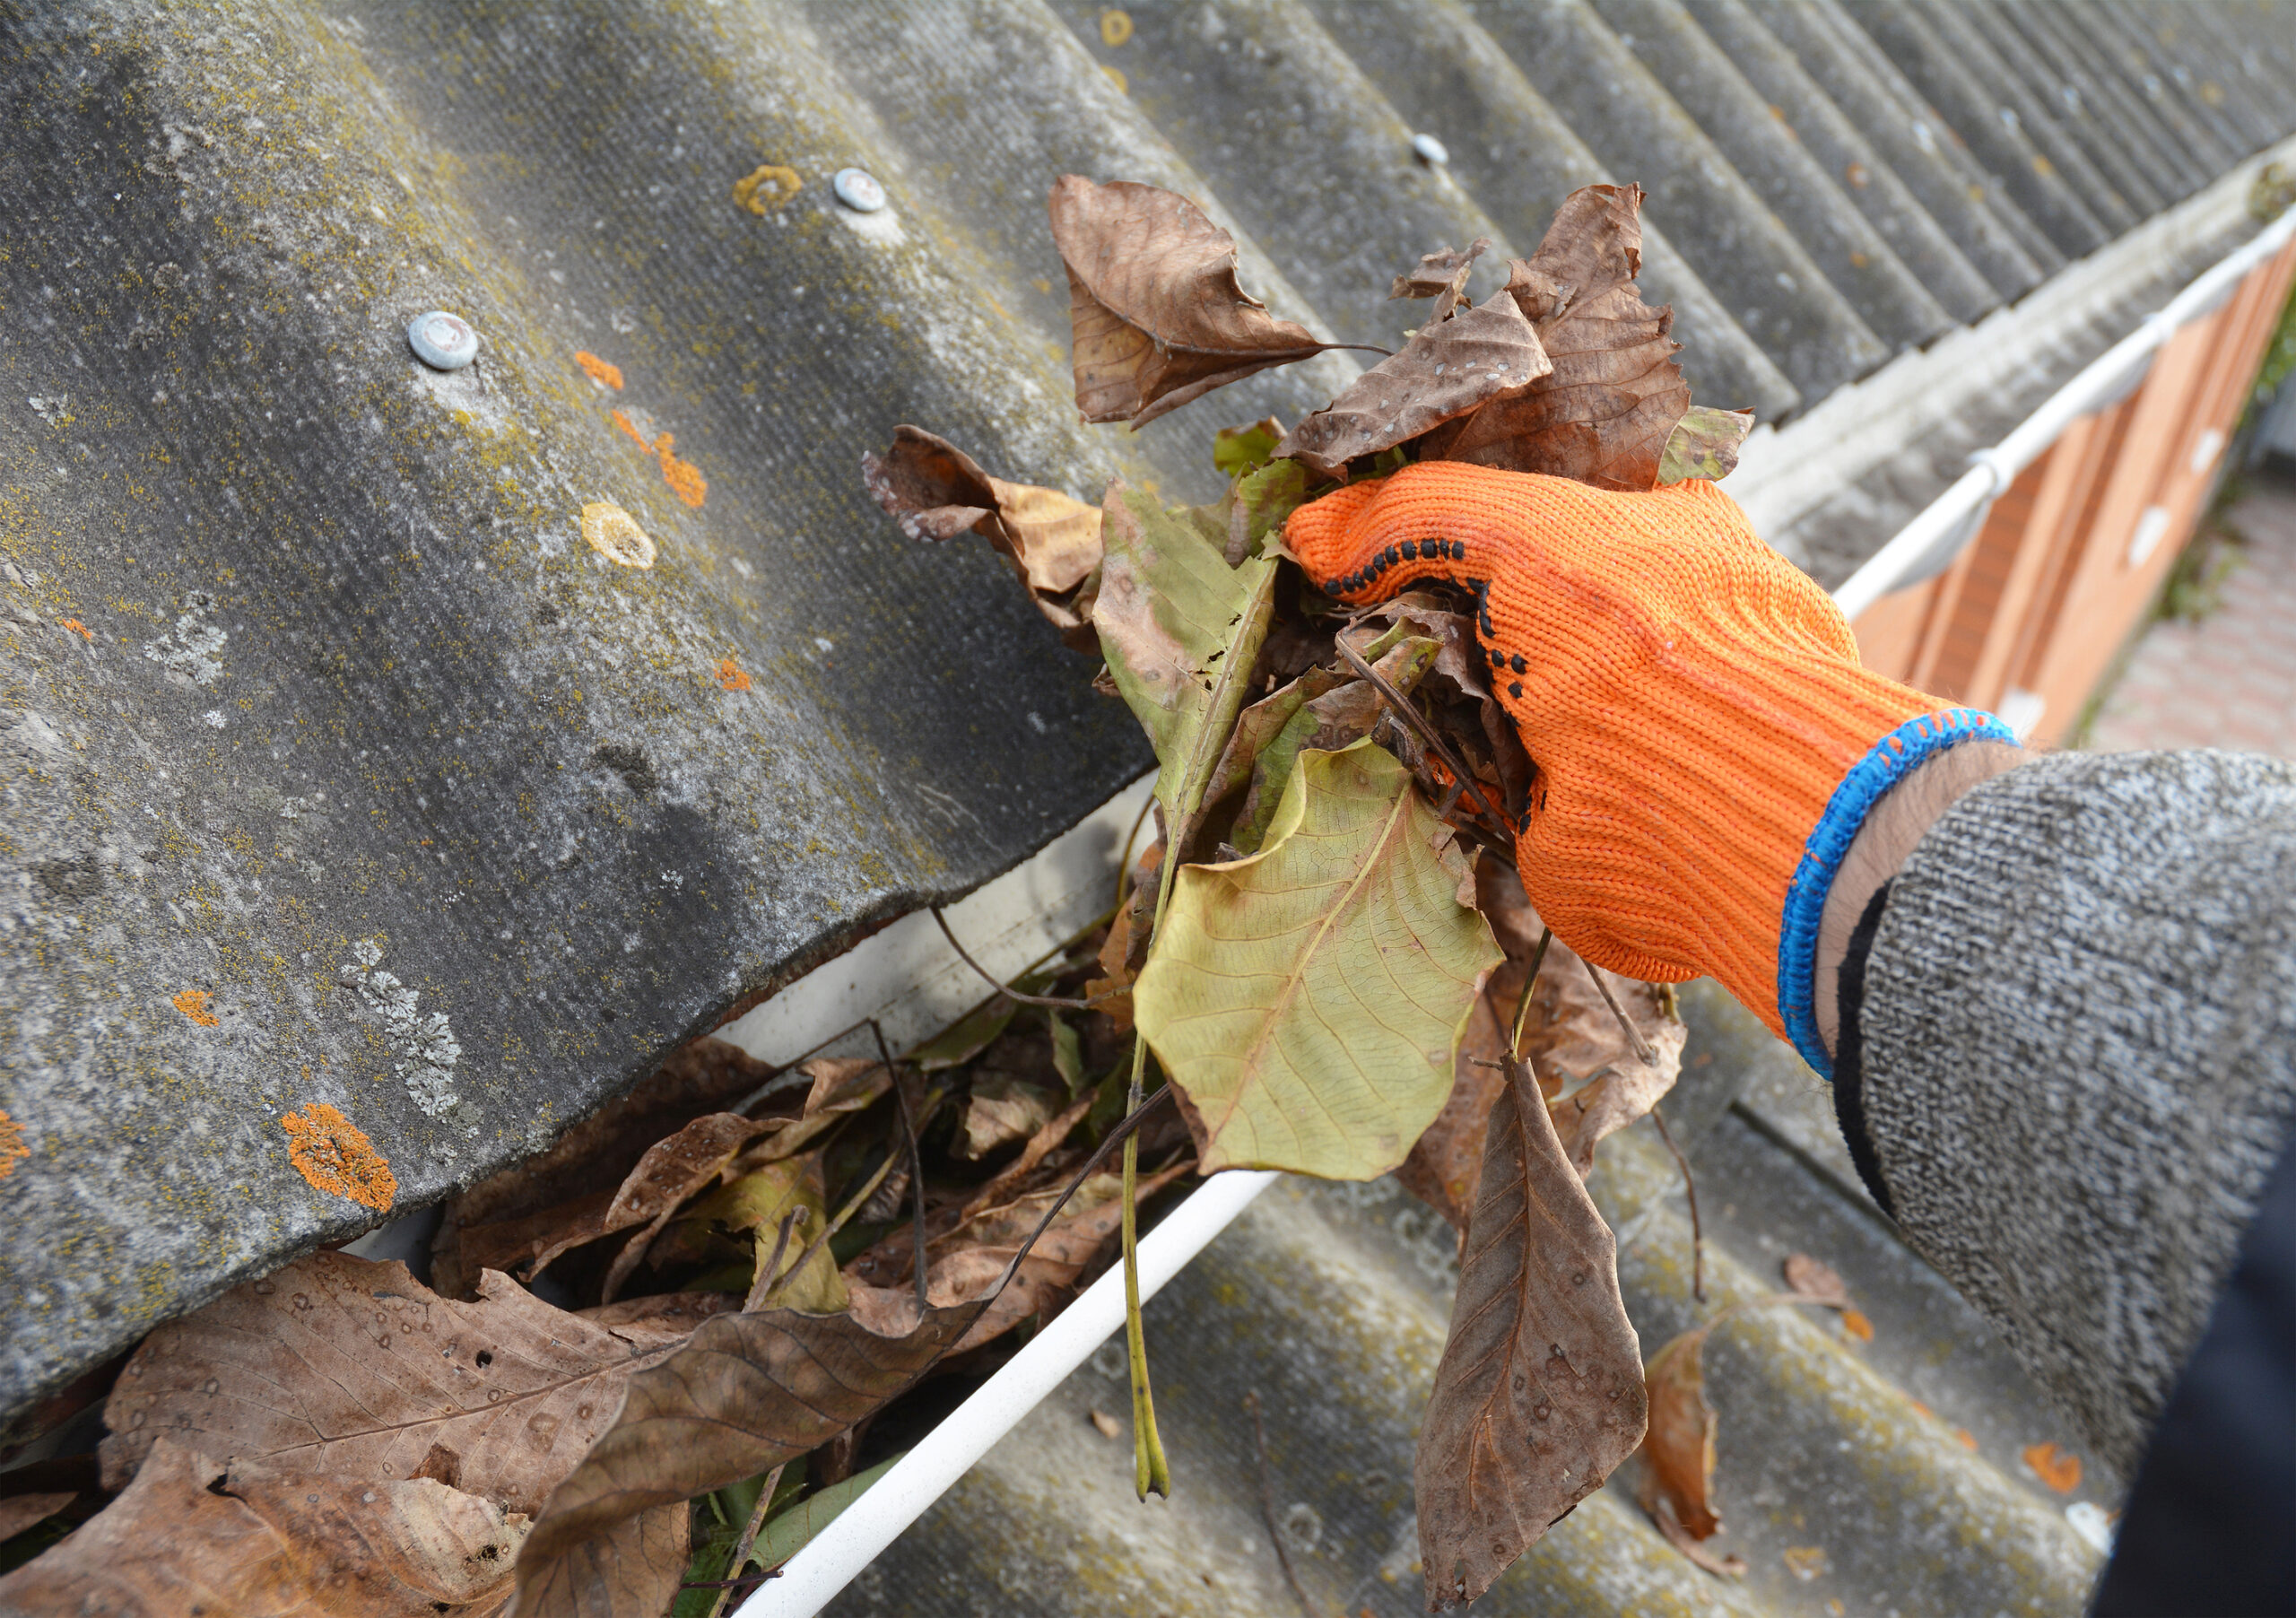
(916, 1160)
(1690, 1190)
(1006, 989)
(1523, 1007)
(1427, 733)
(1633, 1034)
(748, 1541)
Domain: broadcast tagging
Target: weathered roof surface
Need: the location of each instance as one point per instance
(345, 771)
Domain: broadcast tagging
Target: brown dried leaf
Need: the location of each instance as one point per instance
(1539, 1394)
(1448, 369)
(1437, 270)
(935, 490)
(1732, 1566)
(1680, 1445)
(975, 1255)
(1604, 413)
(22, 1512)
(1588, 1067)
(1002, 1109)
(195, 1534)
(338, 1366)
(702, 1076)
(1159, 316)
(745, 1393)
(1816, 1280)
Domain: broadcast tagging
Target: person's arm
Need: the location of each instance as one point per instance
(2070, 983)
(2067, 1052)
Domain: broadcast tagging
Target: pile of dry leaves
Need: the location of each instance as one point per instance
(651, 1362)
(1327, 953)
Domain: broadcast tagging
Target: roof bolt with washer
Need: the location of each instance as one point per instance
(1430, 150)
(858, 190)
(441, 340)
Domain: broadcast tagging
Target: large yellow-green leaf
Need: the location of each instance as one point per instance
(1181, 630)
(1306, 1000)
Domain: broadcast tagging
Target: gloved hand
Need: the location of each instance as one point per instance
(1707, 741)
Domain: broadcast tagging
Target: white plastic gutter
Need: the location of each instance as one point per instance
(814, 1576)
(1933, 538)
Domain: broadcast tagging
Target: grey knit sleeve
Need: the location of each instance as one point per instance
(2078, 1066)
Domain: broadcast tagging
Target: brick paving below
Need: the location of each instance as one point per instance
(2230, 680)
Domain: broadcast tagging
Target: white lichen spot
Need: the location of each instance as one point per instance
(214, 716)
(189, 649)
(425, 1044)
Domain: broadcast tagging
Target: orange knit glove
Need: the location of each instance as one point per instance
(1706, 739)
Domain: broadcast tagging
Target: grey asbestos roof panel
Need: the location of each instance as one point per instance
(347, 771)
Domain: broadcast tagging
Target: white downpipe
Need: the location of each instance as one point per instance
(814, 1576)
(1952, 519)
(871, 1523)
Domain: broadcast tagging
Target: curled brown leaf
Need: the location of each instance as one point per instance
(193, 1533)
(1159, 316)
(1436, 272)
(1450, 368)
(1604, 413)
(1816, 1280)
(935, 490)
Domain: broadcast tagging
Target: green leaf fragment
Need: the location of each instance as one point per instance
(1305, 1001)
(1236, 450)
(784, 1535)
(1265, 499)
(1704, 444)
(1181, 630)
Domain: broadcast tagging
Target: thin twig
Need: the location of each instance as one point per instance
(748, 1541)
(1690, 1190)
(853, 1203)
(1633, 1034)
(1523, 1007)
(1427, 733)
(762, 1284)
(1131, 838)
(1267, 1509)
(1006, 989)
(915, 1160)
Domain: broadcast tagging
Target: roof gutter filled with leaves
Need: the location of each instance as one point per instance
(1362, 424)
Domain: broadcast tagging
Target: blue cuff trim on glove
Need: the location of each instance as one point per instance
(1885, 764)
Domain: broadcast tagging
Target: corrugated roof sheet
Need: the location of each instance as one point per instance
(306, 660)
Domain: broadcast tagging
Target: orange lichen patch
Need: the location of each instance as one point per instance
(2060, 1469)
(730, 676)
(192, 1003)
(1921, 1409)
(1854, 1323)
(685, 477)
(335, 1154)
(613, 534)
(1965, 1439)
(1116, 77)
(604, 372)
(1115, 28)
(13, 1149)
(79, 628)
(630, 427)
(764, 186)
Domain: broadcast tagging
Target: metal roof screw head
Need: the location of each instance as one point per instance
(858, 190)
(1430, 150)
(441, 340)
